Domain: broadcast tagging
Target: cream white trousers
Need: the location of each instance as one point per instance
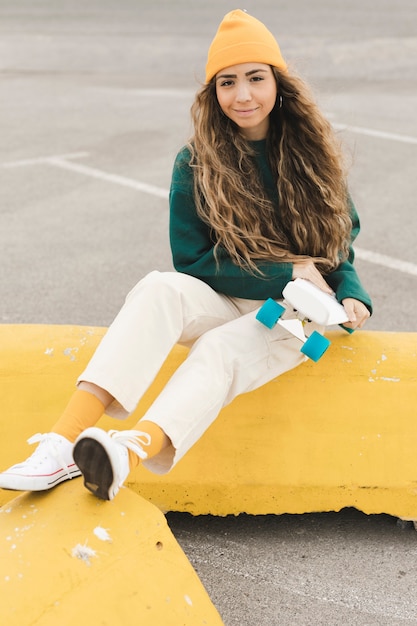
(231, 353)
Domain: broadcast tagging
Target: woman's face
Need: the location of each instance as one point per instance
(247, 93)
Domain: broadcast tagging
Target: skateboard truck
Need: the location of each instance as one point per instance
(311, 304)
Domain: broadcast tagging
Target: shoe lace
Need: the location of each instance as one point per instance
(46, 446)
(132, 439)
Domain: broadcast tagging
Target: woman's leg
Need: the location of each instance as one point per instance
(84, 409)
(161, 310)
(226, 361)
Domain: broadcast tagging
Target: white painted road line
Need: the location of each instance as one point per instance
(386, 261)
(379, 134)
(110, 178)
(41, 160)
(93, 172)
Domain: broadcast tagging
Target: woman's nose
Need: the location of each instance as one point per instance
(243, 93)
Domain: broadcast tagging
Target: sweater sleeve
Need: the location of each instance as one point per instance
(344, 280)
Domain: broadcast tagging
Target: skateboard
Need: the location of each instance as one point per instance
(311, 304)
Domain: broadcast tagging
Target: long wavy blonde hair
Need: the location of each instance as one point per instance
(306, 160)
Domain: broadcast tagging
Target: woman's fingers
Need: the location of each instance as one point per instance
(307, 270)
(356, 311)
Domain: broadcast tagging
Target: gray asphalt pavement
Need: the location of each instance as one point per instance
(94, 104)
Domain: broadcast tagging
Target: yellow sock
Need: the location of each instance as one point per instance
(83, 410)
(159, 441)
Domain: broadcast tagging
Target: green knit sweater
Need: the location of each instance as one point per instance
(193, 249)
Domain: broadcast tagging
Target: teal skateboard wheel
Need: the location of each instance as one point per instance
(315, 346)
(269, 313)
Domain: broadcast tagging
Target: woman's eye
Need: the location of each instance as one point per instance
(257, 78)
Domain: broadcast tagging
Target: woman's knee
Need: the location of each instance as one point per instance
(193, 296)
(154, 282)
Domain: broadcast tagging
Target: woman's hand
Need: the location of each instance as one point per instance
(306, 269)
(356, 312)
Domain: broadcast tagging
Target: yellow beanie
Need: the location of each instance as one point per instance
(242, 38)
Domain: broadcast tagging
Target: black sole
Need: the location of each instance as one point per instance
(94, 464)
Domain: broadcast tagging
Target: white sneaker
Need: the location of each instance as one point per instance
(103, 458)
(49, 465)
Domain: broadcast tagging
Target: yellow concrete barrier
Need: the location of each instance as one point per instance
(68, 558)
(337, 433)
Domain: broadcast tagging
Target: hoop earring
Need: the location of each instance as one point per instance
(280, 102)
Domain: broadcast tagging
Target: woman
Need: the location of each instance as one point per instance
(258, 197)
